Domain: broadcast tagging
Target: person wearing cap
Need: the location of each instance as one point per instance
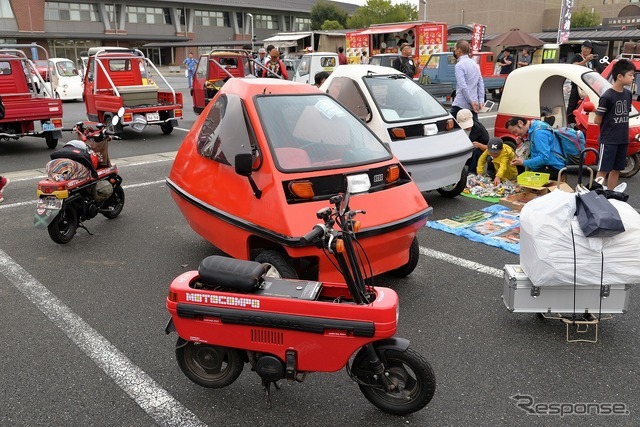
(404, 62)
(501, 156)
(542, 142)
(477, 134)
(262, 54)
(587, 59)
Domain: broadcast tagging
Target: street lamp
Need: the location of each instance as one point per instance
(424, 11)
(252, 39)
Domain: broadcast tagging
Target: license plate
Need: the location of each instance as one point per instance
(49, 203)
(48, 126)
(152, 117)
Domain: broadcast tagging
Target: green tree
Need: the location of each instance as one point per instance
(331, 25)
(584, 18)
(381, 12)
(324, 11)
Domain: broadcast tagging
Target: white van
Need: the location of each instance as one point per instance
(312, 63)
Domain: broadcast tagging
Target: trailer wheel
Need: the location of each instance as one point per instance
(50, 140)
(166, 127)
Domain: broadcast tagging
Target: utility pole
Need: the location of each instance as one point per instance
(424, 11)
(252, 38)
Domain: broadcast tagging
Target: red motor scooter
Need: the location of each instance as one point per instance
(231, 312)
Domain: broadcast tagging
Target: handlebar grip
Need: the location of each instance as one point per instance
(316, 232)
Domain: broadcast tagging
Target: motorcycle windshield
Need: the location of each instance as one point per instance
(314, 132)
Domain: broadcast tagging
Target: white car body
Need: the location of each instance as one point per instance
(312, 63)
(66, 79)
(435, 149)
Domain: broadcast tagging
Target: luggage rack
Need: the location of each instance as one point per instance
(579, 330)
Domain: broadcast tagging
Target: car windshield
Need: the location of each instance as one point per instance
(399, 98)
(600, 85)
(314, 132)
(66, 69)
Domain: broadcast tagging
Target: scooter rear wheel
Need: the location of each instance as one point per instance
(209, 365)
(114, 204)
(408, 371)
(278, 265)
(64, 225)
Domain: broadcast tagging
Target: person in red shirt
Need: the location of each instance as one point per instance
(274, 65)
(342, 58)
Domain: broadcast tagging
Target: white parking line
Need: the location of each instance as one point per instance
(153, 399)
(471, 265)
(183, 130)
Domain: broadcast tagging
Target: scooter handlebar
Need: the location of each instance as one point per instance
(315, 233)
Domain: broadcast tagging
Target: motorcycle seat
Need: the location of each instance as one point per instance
(230, 273)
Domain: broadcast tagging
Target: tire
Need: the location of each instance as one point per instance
(209, 365)
(454, 190)
(408, 370)
(414, 256)
(114, 204)
(51, 141)
(166, 127)
(278, 265)
(631, 167)
(64, 225)
(496, 95)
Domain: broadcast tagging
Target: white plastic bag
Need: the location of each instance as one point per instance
(186, 73)
(548, 230)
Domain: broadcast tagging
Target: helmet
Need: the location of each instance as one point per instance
(77, 144)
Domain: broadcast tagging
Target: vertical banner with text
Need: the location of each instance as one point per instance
(477, 37)
(564, 25)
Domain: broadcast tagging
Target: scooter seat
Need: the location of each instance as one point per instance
(230, 273)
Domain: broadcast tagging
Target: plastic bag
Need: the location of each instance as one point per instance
(597, 216)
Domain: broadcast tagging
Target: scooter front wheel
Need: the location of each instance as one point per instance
(208, 365)
(412, 381)
(64, 225)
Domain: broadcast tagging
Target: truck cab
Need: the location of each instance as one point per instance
(30, 107)
(114, 79)
(312, 63)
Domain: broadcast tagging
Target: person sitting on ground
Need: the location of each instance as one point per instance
(542, 142)
(501, 155)
(477, 134)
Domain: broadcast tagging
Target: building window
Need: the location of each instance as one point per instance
(5, 9)
(301, 24)
(269, 22)
(209, 18)
(148, 15)
(63, 11)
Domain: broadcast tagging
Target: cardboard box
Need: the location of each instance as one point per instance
(546, 188)
(517, 201)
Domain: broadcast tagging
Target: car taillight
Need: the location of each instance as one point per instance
(127, 117)
(173, 296)
(177, 113)
(57, 122)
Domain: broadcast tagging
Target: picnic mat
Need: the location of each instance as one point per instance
(495, 225)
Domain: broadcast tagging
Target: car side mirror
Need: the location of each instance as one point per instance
(244, 167)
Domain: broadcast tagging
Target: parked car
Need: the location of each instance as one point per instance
(292, 65)
(531, 90)
(66, 81)
(267, 154)
(420, 132)
(312, 63)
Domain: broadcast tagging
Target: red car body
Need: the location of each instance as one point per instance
(222, 206)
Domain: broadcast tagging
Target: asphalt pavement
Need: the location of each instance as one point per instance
(84, 342)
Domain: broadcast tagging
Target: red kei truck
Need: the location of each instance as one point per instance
(30, 109)
(114, 80)
(215, 68)
(428, 38)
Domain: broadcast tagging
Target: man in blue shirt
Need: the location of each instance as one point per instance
(191, 63)
(469, 83)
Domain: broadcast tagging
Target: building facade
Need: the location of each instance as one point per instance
(66, 28)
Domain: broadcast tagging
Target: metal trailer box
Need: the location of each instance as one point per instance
(520, 296)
